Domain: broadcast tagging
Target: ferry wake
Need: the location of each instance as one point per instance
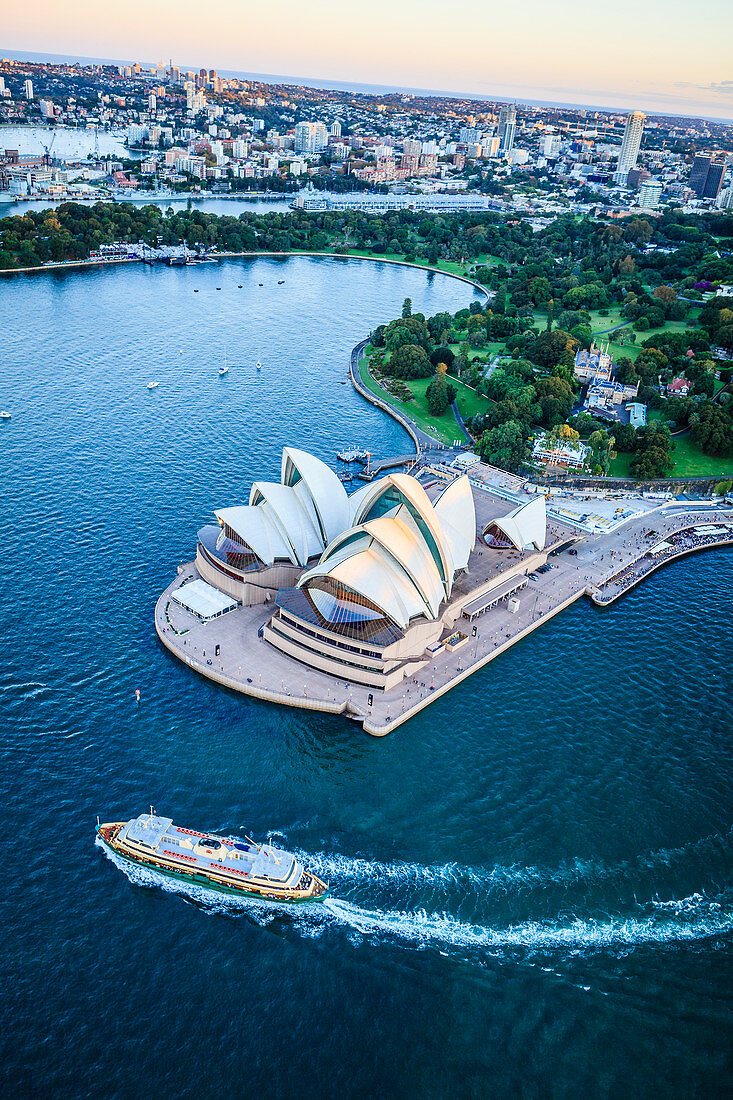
(229, 865)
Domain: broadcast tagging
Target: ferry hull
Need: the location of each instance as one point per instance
(106, 835)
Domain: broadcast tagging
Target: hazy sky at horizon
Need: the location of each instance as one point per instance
(647, 54)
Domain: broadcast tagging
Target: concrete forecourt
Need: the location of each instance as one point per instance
(376, 603)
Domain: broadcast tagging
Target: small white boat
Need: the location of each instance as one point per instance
(223, 370)
(258, 365)
(153, 385)
(5, 415)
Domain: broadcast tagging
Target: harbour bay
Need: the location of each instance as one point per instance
(540, 859)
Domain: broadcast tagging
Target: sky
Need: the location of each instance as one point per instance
(651, 55)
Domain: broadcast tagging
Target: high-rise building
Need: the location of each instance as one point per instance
(335, 129)
(507, 128)
(714, 181)
(630, 146)
(46, 108)
(650, 193)
(28, 89)
(152, 102)
(724, 200)
(551, 146)
(310, 137)
(699, 173)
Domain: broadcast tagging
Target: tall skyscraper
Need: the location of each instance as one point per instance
(28, 89)
(310, 137)
(629, 146)
(699, 173)
(507, 128)
(714, 181)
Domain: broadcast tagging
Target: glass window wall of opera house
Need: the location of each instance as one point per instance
(360, 583)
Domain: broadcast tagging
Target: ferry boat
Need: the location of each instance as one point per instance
(226, 864)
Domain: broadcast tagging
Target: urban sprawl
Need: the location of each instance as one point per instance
(194, 132)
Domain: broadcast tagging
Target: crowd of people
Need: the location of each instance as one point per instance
(680, 542)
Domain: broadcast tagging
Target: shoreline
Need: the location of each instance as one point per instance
(73, 265)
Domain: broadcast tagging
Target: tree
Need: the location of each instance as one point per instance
(653, 453)
(560, 434)
(711, 429)
(625, 437)
(439, 394)
(553, 348)
(555, 398)
(442, 355)
(407, 330)
(505, 446)
(409, 361)
(582, 334)
(601, 452)
(406, 305)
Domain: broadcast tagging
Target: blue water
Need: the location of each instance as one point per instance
(531, 881)
(230, 207)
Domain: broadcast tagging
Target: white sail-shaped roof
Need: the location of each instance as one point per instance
(404, 489)
(402, 553)
(254, 528)
(386, 544)
(525, 526)
(294, 520)
(457, 514)
(399, 537)
(373, 574)
(326, 491)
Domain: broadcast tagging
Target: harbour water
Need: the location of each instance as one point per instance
(67, 142)
(230, 207)
(531, 882)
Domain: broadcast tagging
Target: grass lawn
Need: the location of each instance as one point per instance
(450, 267)
(443, 428)
(689, 460)
(490, 348)
(620, 465)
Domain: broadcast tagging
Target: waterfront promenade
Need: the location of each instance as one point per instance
(248, 664)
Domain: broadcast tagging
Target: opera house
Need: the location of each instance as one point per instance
(364, 586)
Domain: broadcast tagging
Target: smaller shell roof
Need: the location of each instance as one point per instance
(525, 526)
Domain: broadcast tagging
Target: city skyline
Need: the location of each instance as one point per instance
(608, 67)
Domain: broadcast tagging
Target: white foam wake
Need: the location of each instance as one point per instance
(658, 922)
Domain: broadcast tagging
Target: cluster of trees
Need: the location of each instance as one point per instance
(716, 318)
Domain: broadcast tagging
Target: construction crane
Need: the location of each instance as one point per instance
(48, 148)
